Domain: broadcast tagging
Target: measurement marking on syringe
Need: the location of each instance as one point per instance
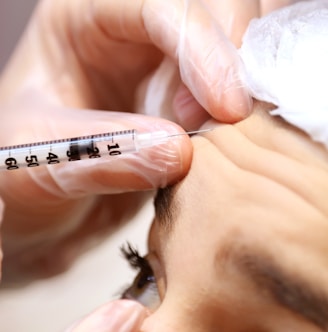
(70, 149)
(65, 150)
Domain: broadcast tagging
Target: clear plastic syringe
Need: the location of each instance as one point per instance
(80, 148)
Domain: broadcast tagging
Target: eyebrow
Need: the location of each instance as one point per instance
(166, 207)
(286, 289)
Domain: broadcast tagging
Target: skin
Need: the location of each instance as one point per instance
(78, 66)
(263, 188)
(76, 71)
(244, 171)
(70, 58)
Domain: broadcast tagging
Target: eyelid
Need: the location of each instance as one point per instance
(148, 286)
(158, 271)
(157, 259)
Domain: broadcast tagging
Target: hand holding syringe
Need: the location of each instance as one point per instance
(55, 83)
(65, 150)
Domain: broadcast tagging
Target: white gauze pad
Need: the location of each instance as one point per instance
(286, 63)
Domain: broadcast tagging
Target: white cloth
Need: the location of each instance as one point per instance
(286, 61)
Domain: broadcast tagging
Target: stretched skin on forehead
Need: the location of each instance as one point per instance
(285, 288)
(288, 287)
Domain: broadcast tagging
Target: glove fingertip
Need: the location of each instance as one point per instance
(235, 104)
(120, 315)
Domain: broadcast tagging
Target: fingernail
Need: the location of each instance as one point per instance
(168, 161)
(237, 101)
(131, 319)
(189, 113)
(117, 316)
(173, 157)
(122, 316)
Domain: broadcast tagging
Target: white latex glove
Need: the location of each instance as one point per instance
(206, 53)
(80, 55)
(285, 55)
(65, 67)
(117, 316)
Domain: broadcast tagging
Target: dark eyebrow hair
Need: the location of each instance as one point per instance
(165, 207)
(286, 288)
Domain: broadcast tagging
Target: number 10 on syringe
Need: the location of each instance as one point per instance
(66, 150)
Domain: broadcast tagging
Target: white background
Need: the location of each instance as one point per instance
(53, 304)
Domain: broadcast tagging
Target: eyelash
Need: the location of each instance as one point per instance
(144, 287)
(140, 264)
(132, 255)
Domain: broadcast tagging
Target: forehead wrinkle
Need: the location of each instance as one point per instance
(286, 288)
(166, 207)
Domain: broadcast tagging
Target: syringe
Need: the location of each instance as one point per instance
(111, 144)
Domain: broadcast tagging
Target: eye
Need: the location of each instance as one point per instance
(144, 287)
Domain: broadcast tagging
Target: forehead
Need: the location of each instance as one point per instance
(238, 260)
(247, 234)
(219, 199)
(249, 195)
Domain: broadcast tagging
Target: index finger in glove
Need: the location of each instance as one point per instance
(151, 167)
(189, 33)
(234, 16)
(213, 74)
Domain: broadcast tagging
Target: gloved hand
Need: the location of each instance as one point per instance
(117, 316)
(208, 65)
(80, 55)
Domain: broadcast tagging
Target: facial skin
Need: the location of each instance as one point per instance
(240, 245)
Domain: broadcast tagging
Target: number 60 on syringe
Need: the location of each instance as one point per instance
(66, 150)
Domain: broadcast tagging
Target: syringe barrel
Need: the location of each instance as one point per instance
(78, 148)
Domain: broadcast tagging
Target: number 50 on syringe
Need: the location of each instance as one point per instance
(66, 150)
